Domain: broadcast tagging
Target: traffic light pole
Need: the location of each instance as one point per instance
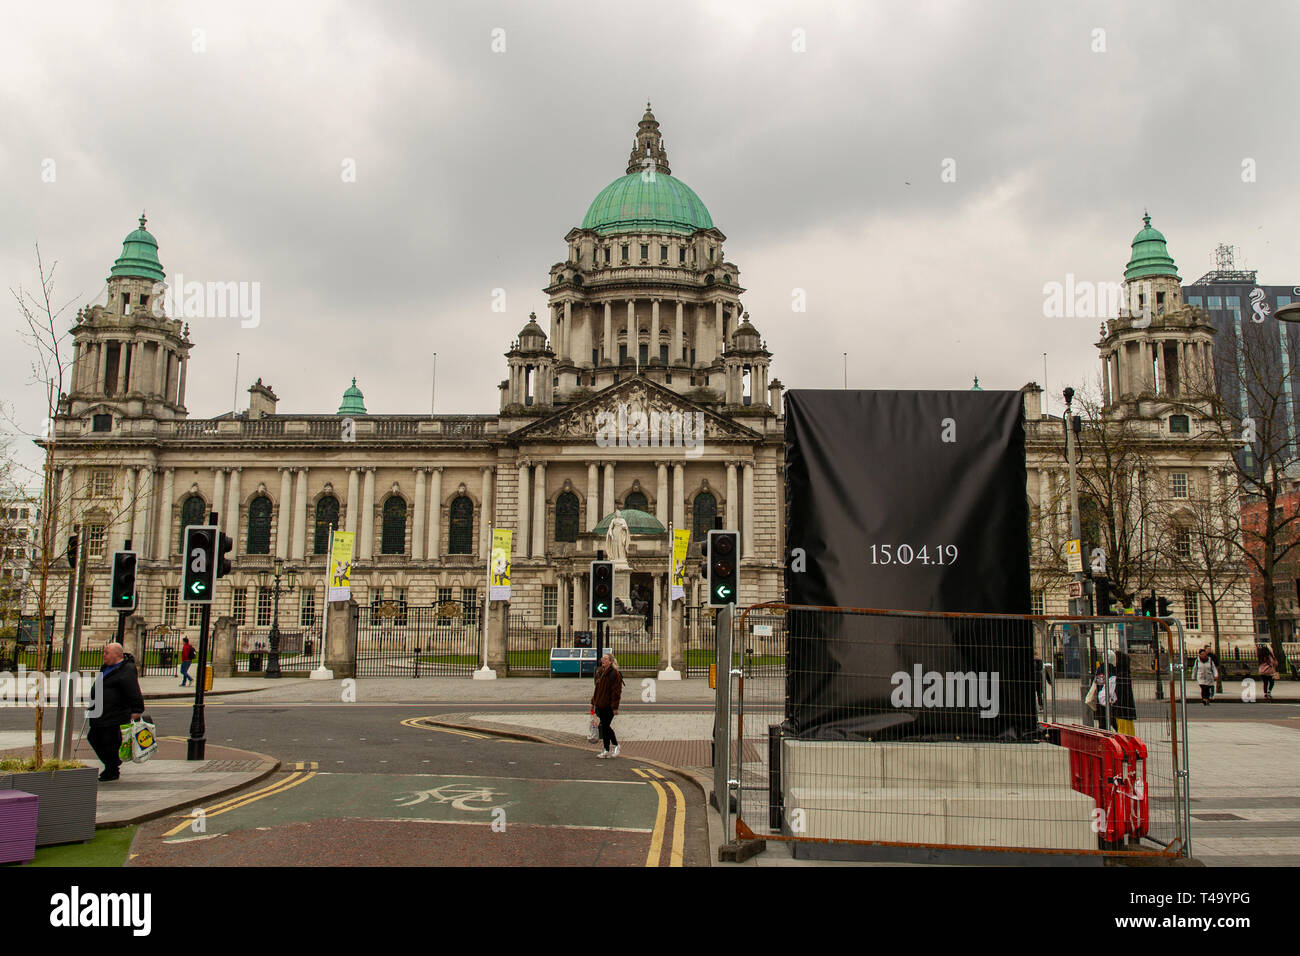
(195, 746)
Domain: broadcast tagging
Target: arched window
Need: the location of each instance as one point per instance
(259, 526)
(394, 540)
(636, 501)
(566, 517)
(327, 516)
(460, 531)
(704, 510)
(193, 511)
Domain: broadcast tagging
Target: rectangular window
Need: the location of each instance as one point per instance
(1036, 604)
(681, 255)
(1178, 484)
(101, 485)
(1214, 302)
(95, 540)
(1180, 424)
(663, 253)
(263, 607)
(607, 255)
(1183, 542)
(239, 605)
(550, 604)
(1192, 610)
(1194, 300)
(469, 598)
(171, 601)
(307, 607)
(196, 615)
(87, 605)
(645, 252)
(1234, 301)
(624, 256)
(22, 512)
(444, 597)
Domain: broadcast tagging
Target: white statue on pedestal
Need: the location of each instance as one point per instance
(616, 539)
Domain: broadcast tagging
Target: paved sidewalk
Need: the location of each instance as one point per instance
(163, 784)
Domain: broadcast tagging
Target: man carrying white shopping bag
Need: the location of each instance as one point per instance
(115, 699)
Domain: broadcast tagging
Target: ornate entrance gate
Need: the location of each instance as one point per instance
(400, 640)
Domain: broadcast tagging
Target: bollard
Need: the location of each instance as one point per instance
(417, 662)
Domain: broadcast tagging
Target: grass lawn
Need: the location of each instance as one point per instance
(108, 848)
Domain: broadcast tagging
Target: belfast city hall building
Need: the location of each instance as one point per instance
(644, 388)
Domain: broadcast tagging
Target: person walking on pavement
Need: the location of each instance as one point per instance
(121, 701)
(187, 658)
(609, 692)
(1206, 673)
(1268, 667)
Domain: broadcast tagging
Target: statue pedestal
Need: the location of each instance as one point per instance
(623, 583)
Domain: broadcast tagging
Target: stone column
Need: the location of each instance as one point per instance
(719, 338)
(144, 504)
(122, 520)
(607, 346)
(747, 514)
(219, 498)
(662, 610)
(566, 333)
(435, 515)
(159, 371)
(1105, 378)
(286, 514)
(661, 492)
(302, 514)
(676, 355)
(562, 603)
(163, 529)
(732, 494)
(180, 390)
(539, 511)
(523, 536)
(233, 500)
(593, 495)
(1044, 510)
(609, 488)
(368, 517)
(633, 340)
(101, 376)
(353, 504)
(679, 495)
(123, 346)
(485, 533)
(654, 329)
(421, 499)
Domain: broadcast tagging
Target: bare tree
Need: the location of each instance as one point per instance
(1254, 412)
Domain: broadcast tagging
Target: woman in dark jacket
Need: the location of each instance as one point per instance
(609, 692)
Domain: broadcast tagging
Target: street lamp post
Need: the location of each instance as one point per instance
(273, 660)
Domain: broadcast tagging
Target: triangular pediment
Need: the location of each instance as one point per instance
(620, 405)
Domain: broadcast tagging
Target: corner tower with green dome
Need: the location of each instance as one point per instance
(645, 290)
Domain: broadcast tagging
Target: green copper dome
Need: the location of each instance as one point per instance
(638, 522)
(1150, 256)
(647, 202)
(353, 404)
(139, 258)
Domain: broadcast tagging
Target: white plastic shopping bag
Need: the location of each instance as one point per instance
(593, 729)
(143, 743)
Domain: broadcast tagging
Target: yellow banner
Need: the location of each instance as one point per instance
(681, 541)
(499, 567)
(340, 584)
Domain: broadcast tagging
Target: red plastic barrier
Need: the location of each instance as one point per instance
(1110, 768)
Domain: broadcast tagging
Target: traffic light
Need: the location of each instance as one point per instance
(123, 594)
(224, 547)
(1105, 600)
(1149, 606)
(602, 590)
(1162, 607)
(724, 578)
(200, 564)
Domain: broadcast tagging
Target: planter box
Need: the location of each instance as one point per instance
(68, 800)
(17, 827)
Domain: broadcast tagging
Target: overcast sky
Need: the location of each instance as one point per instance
(231, 124)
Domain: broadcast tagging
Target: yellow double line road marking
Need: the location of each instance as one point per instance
(661, 818)
(234, 803)
(414, 722)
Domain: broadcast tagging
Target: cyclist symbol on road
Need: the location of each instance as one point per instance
(459, 796)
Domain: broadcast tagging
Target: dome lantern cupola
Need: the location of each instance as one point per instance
(139, 258)
(353, 403)
(1150, 254)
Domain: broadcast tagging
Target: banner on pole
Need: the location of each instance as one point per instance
(681, 541)
(340, 585)
(499, 568)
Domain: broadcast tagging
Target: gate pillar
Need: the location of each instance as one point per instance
(223, 647)
(499, 615)
(341, 638)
